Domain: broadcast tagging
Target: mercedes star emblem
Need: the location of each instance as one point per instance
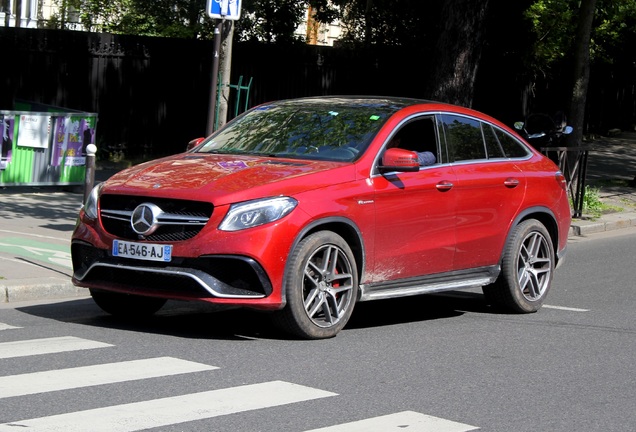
(144, 219)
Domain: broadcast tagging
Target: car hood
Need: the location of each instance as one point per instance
(224, 179)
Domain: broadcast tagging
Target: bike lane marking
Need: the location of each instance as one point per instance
(37, 250)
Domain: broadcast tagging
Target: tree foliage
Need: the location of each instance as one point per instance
(168, 18)
(388, 22)
(554, 23)
(537, 37)
(270, 20)
(261, 20)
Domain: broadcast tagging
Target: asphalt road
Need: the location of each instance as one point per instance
(429, 363)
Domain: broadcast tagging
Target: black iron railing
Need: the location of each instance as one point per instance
(572, 162)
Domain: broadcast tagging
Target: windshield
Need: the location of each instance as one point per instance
(325, 130)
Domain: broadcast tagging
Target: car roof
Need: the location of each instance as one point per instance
(351, 100)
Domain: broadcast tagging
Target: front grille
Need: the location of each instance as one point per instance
(181, 219)
(140, 282)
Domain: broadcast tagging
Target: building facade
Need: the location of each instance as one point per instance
(26, 13)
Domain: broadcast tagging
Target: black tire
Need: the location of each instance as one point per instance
(321, 287)
(126, 305)
(526, 270)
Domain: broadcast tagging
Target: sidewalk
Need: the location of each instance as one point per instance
(611, 167)
(36, 223)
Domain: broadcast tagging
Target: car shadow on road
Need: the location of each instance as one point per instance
(416, 308)
(179, 319)
(203, 321)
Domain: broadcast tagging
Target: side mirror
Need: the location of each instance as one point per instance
(192, 144)
(397, 159)
(519, 125)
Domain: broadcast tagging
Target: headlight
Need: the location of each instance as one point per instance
(254, 213)
(90, 207)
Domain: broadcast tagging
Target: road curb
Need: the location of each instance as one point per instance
(609, 222)
(39, 289)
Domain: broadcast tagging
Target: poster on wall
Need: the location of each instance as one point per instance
(6, 141)
(72, 135)
(34, 130)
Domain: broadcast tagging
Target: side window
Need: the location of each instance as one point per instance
(463, 138)
(419, 135)
(511, 147)
(493, 148)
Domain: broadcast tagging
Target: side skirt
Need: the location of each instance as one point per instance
(456, 280)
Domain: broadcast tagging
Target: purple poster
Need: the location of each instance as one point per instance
(6, 141)
(72, 135)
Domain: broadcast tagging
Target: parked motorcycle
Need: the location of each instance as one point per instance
(543, 130)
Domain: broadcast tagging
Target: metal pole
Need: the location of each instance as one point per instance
(215, 77)
(89, 180)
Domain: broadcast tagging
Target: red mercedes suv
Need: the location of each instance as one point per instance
(305, 207)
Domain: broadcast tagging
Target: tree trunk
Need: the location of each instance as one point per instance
(581, 78)
(581, 72)
(458, 51)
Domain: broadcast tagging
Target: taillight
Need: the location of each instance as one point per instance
(560, 178)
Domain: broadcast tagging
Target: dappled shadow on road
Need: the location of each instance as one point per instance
(50, 206)
(204, 321)
(59, 227)
(612, 158)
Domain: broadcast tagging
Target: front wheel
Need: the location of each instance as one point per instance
(321, 287)
(126, 305)
(526, 270)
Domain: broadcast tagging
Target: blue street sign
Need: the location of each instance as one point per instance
(224, 9)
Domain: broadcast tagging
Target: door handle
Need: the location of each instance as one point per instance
(511, 182)
(444, 186)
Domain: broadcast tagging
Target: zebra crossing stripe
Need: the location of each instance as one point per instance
(64, 379)
(47, 346)
(172, 410)
(403, 421)
(4, 326)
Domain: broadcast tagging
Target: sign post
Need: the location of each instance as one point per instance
(221, 10)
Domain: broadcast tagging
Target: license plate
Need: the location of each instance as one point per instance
(142, 251)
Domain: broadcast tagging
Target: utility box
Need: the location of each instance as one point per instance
(42, 148)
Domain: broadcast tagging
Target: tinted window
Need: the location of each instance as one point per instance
(463, 138)
(492, 143)
(511, 147)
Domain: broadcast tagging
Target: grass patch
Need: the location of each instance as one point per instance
(592, 203)
(628, 203)
(594, 206)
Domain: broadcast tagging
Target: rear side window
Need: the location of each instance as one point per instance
(470, 139)
(511, 147)
(493, 147)
(464, 138)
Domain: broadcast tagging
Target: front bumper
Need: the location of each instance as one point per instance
(207, 277)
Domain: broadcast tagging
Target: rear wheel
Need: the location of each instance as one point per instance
(526, 270)
(321, 287)
(126, 305)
